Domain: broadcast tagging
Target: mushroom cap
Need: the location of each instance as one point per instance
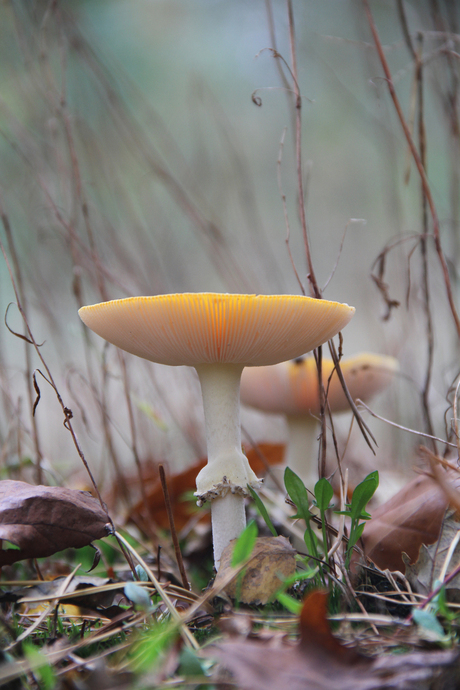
(292, 387)
(199, 328)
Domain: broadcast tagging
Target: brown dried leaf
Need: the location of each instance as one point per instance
(272, 560)
(42, 520)
(410, 518)
(423, 574)
(321, 662)
(49, 588)
(178, 485)
(315, 630)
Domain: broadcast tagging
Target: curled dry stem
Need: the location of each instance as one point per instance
(419, 164)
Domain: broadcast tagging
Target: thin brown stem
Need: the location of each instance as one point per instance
(418, 163)
(66, 411)
(285, 211)
(366, 432)
(172, 527)
(417, 55)
(132, 426)
(27, 352)
(423, 248)
(315, 291)
(271, 28)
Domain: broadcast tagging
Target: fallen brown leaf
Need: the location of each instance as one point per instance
(410, 518)
(49, 588)
(273, 559)
(42, 520)
(315, 631)
(265, 453)
(178, 485)
(320, 662)
(423, 574)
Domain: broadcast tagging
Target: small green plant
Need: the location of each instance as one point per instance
(298, 494)
(42, 669)
(323, 496)
(355, 510)
(427, 618)
(151, 645)
(262, 510)
(324, 492)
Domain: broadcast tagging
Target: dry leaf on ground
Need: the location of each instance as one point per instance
(410, 518)
(273, 559)
(49, 588)
(178, 485)
(41, 520)
(320, 662)
(423, 574)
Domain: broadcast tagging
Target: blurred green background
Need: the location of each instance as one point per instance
(133, 160)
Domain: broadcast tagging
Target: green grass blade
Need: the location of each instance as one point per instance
(244, 544)
(262, 510)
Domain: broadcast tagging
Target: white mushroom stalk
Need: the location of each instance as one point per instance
(219, 334)
(228, 473)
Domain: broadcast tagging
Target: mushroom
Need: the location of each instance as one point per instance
(219, 334)
(292, 389)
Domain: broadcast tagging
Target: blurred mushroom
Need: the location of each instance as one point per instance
(292, 389)
(219, 334)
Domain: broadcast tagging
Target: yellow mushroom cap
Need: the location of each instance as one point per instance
(199, 328)
(292, 387)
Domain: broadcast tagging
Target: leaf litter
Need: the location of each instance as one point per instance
(258, 650)
(42, 520)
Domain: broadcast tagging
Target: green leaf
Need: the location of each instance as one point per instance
(323, 493)
(358, 532)
(191, 665)
(138, 595)
(145, 653)
(41, 666)
(311, 542)
(299, 576)
(298, 494)
(8, 545)
(245, 544)
(262, 510)
(289, 603)
(363, 494)
(428, 621)
(141, 574)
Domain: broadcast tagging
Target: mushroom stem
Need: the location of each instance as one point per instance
(224, 480)
(228, 517)
(302, 450)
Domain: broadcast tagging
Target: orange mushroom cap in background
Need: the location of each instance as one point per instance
(291, 388)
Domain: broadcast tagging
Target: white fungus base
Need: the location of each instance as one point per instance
(228, 518)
